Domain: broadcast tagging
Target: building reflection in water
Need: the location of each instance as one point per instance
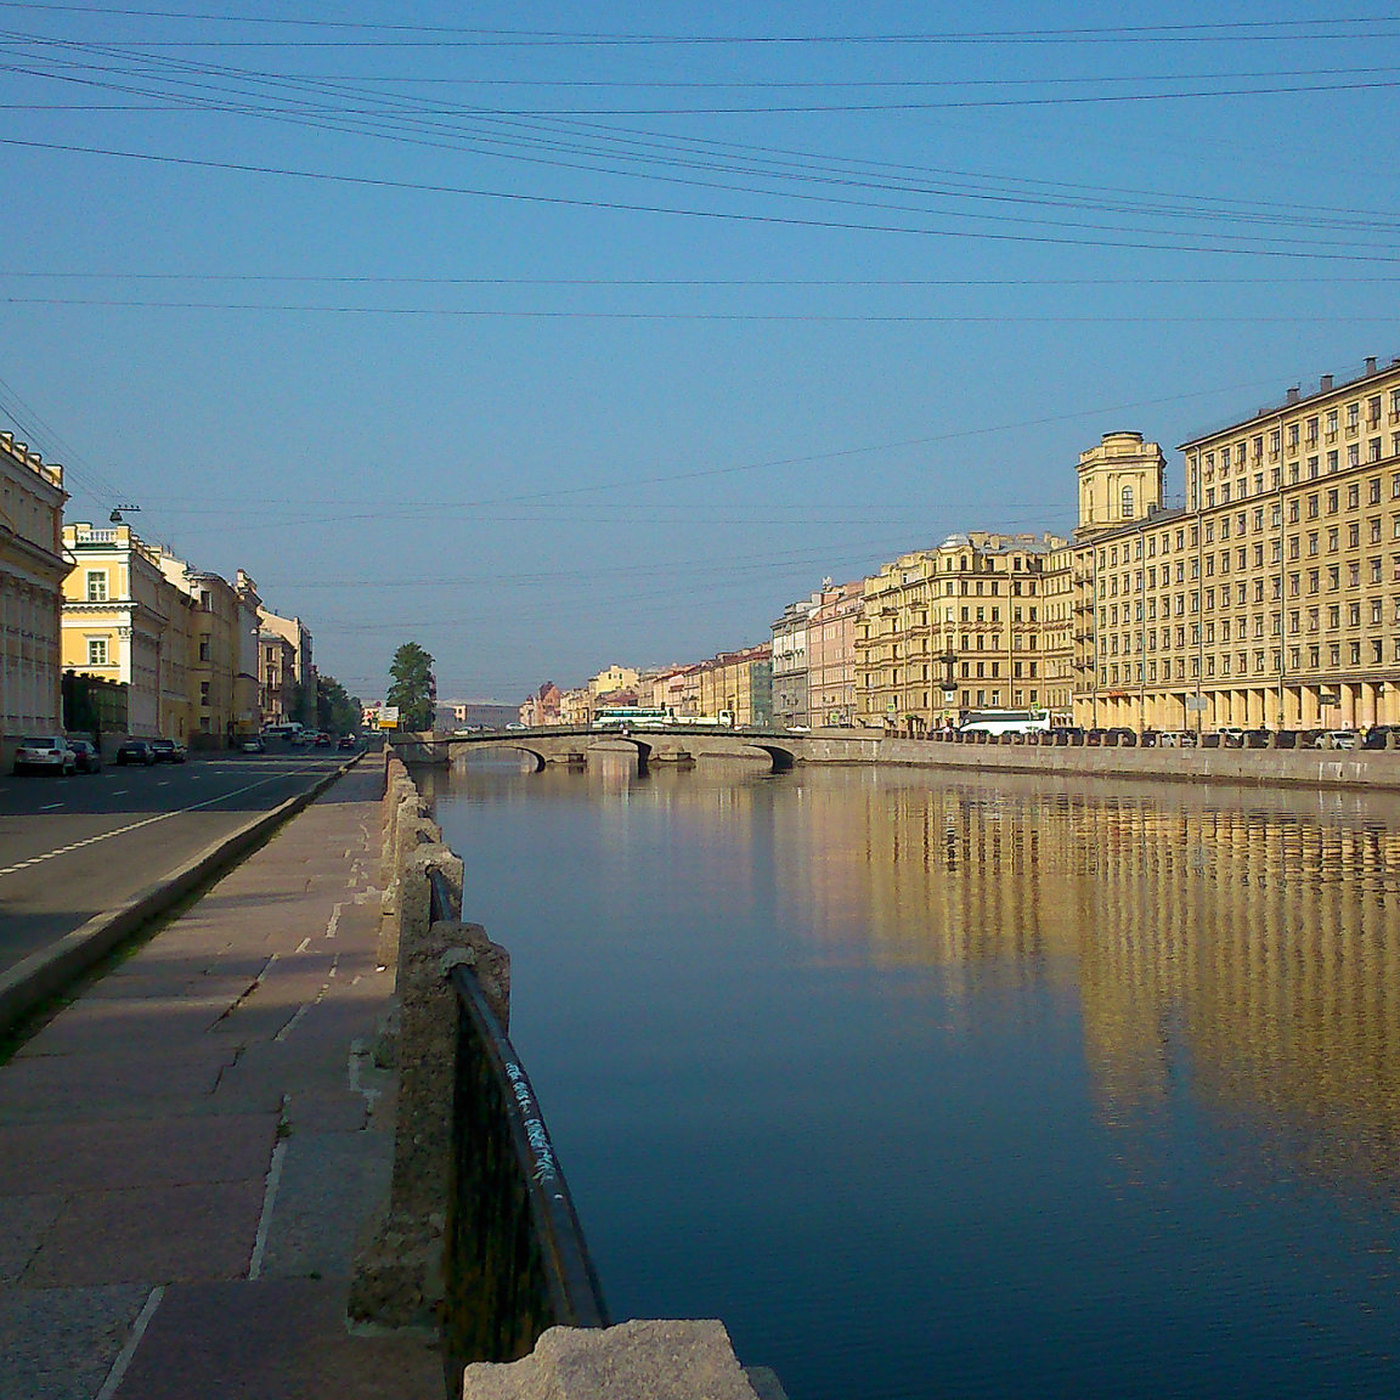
(1245, 941)
(1248, 941)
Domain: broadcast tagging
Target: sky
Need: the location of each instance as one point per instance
(556, 335)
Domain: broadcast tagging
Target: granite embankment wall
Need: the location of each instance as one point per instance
(1367, 768)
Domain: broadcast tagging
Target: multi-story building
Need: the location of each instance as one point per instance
(791, 678)
(290, 692)
(223, 690)
(956, 628)
(32, 570)
(1272, 597)
(831, 654)
(740, 682)
(613, 678)
(124, 621)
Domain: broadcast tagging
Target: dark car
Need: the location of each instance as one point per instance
(89, 756)
(346, 741)
(1123, 738)
(168, 750)
(1378, 736)
(135, 751)
(321, 741)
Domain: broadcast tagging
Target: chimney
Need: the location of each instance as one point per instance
(1325, 384)
(1293, 394)
(1370, 364)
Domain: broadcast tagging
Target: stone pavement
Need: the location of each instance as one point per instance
(189, 1151)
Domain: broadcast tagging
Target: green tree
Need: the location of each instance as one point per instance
(336, 711)
(414, 689)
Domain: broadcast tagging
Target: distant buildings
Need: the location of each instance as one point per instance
(1270, 598)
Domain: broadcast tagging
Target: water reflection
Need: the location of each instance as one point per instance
(1208, 974)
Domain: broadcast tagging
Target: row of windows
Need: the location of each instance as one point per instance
(967, 670)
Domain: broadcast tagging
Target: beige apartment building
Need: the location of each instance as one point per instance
(956, 628)
(1272, 598)
(32, 570)
(740, 682)
(286, 673)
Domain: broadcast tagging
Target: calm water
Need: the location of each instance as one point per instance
(992, 1088)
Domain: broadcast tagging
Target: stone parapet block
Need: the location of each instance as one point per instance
(639, 1360)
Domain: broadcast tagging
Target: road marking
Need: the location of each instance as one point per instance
(274, 1179)
(133, 826)
(128, 1352)
(52, 806)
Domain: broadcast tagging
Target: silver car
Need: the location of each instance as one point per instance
(48, 753)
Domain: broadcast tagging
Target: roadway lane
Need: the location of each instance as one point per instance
(74, 847)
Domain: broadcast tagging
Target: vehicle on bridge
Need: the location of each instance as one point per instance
(1005, 722)
(657, 717)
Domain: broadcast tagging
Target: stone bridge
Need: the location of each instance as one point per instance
(556, 744)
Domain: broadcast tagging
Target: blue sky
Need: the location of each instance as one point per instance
(557, 334)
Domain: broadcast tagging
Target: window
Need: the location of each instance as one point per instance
(97, 585)
(204, 692)
(97, 650)
(204, 648)
(1127, 503)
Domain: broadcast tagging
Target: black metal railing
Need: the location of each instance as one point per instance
(517, 1262)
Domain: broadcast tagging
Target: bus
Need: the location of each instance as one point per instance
(1005, 722)
(630, 717)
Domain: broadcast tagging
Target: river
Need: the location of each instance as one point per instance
(966, 1087)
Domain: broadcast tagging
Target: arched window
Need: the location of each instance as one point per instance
(1127, 503)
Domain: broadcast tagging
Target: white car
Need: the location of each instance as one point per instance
(47, 753)
(1335, 739)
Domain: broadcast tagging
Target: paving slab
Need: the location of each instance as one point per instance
(277, 1339)
(60, 1343)
(150, 1235)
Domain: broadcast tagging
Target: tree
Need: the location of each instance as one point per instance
(336, 711)
(414, 689)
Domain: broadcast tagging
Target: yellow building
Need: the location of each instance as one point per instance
(124, 621)
(32, 570)
(956, 628)
(614, 678)
(1273, 597)
(739, 682)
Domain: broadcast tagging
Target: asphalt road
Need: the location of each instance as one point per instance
(71, 848)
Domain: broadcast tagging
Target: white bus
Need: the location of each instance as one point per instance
(1005, 722)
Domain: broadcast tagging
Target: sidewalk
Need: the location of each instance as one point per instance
(189, 1151)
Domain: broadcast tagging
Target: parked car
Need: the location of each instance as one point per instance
(89, 756)
(45, 753)
(1231, 736)
(136, 751)
(1177, 739)
(1336, 739)
(252, 743)
(1257, 738)
(1123, 738)
(321, 741)
(168, 750)
(346, 741)
(1378, 736)
(1064, 733)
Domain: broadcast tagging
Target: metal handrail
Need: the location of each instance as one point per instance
(575, 1294)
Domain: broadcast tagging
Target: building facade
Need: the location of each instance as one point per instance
(791, 671)
(125, 622)
(289, 689)
(831, 655)
(1272, 597)
(32, 570)
(740, 682)
(948, 630)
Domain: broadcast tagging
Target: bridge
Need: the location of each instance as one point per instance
(554, 744)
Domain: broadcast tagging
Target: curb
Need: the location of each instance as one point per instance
(50, 971)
